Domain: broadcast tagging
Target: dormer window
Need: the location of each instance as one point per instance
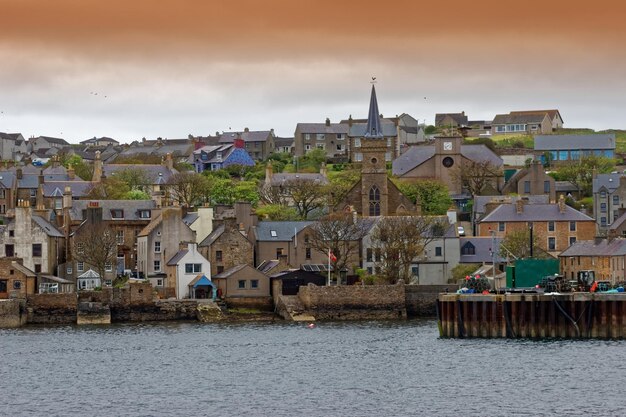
(273, 233)
(219, 156)
(144, 214)
(117, 214)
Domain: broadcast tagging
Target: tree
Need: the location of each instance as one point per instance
(476, 175)
(339, 183)
(95, 244)
(277, 212)
(135, 178)
(228, 192)
(188, 188)
(311, 161)
(341, 234)
(397, 241)
(108, 189)
(432, 195)
(580, 173)
(516, 245)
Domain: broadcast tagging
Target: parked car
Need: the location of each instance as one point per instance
(461, 230)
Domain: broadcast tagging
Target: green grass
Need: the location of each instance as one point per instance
(509, 140)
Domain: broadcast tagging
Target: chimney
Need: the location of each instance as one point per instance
(67, 198)
(519, 206)
(594, 173)
(269, 173)
(562, 204)
(246, 130)
(350, 121)
(93, 213)
(18, 173)
(55, 161)
(143, 140)
(39, 204)
(71, 174)
(40, 178)
(327, 121)
(169, 162)
(97, 168)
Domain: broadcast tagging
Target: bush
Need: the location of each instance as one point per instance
(462, 270)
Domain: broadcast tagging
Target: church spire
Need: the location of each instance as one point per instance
(374, 128)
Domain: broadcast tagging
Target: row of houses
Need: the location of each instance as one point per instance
(531, 122)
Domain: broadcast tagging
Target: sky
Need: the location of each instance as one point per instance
(147, 68)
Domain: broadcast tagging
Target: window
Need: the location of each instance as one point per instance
(108, 267)
(389, 142)
(501, 226)
(58, 203)
(602, 194)
(572, 240)
(80, 266)
(218, 256)
(220, 269)
(37, 249)
(574, 155)
(369, 254)
(339, 147)
(307, 147)
(387, 156)
(500, 129)
(69, 270)
(4, 195)
(80, 248)
(468, 249)
(157, 265)
(616, 200)
(273, 233)
(438, 251)
(415, 270)
(358, 157)
(546, 187)
(279, 252)
(320, 146)
(157, 247)
(144, 214)
(159, 282)
(378, 256)
(9, 250)
(340, 136)
(551, 243)
(11, 233)
(193, 268)
(307, 253)
(527, 187)
(241, 284)
(117, 214)
(357, 142)
(3, 286)
(603, 207)
(254, 283)
(602, 221)
(563, 155)
(218, 156)
(3, 208)
(550, 226)
(572, 226)
(374, 201)
(307, 136)
(320, 136)
(369, 270)
(119, 237)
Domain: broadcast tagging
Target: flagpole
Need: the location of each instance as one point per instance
(329, 267)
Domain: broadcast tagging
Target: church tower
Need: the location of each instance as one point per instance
(374, 186)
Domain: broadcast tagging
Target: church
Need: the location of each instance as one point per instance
(375, 194)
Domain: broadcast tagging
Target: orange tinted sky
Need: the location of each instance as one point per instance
(170, 68)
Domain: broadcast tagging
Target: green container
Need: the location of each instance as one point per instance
(528, 272)
(508, 173)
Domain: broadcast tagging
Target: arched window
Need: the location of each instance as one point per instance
(468, 249)
(374, 201)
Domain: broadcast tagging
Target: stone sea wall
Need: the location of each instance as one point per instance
(421, 300)
(12, 313)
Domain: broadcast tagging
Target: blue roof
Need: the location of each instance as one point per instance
(238, 156)
(203, 281)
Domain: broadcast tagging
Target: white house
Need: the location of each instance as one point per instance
(184, 267)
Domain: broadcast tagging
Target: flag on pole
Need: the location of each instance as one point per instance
(331, 256)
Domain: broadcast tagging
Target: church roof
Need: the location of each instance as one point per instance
(374, 128)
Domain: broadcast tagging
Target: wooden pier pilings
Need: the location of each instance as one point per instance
(535, 316)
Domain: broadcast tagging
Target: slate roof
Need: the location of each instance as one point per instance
(251, 136)
(284, 231)
(176, 258)
(158, 174)
(551, 113)
(96, 140)
(56, 188)
(460, 118)
(481, 201)
(482, 250)
(267, 266)
(58, 141)
(574, 142)
(283, 177)
(131, 208)
(47, 227)
(190, 218)
(608, 181)
(316, 128)
(604, 247)
(417, 155)
(7, 179)
(617, 223)
(358, 130)
(517, 118)
(281, 142)
(10, 136)
(534, 212)
(213, 236)
(227, 273)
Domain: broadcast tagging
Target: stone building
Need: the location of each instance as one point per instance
(158, 242)
(606, 257)
(374, 194)
(259, 144)
(330, 137)
(244, 286)
(556, 226)
(609, 200)
(16, 280)
(531, 181)
(227, 247)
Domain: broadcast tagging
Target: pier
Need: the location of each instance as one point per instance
(532, 315)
